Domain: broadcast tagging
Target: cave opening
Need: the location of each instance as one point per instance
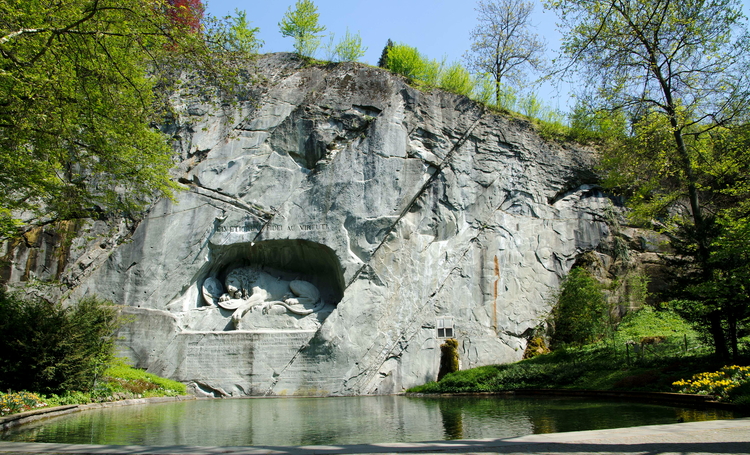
(287, 259)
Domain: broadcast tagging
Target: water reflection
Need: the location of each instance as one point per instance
(453, 419)
(350, 420)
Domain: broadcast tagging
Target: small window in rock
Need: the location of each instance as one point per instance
(445, 327)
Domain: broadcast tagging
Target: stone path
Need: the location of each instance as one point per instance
(712, 437)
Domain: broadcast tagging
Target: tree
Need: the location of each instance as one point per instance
(83, 83)
(232, 34)
(302, 25)
(350, 49)
(677, 69)
(76, 104)
(383, 61)
(720, 290)
(502, 44)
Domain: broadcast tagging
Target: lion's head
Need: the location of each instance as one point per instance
(239, 282)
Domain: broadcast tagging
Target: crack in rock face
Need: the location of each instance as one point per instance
(410, 216)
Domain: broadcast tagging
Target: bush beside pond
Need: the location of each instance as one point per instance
(54, 354)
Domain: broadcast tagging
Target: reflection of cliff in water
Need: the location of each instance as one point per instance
(544, 424)
(343, 420)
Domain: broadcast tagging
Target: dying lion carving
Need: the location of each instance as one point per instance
(246, 288)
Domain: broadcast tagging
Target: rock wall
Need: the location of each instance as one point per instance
(417, 215)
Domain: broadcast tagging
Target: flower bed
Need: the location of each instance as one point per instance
(11, 403)
(721, 384)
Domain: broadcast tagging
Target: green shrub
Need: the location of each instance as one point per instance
(472, 380)
(406, 61)
(232, 34)
(302, 25)
(448, 358)
(531, 106)
(580, 315)
(456, 79)
(589, 125)
(47, 348)
(431, 71)
(72, 397)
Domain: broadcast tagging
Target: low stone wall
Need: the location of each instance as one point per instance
(21, 418)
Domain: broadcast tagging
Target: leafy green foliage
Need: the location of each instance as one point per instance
(531, 106)
(46, 348)
(118, 382)
(302, 25)
(122, 378)
(406, 61)
(607, 364)
(649, 323)
(456, 79)
(484, 89)
(580, 315)
(588, 125)
(712, 293)
(348, 49)
(81, 85)
(409, 62)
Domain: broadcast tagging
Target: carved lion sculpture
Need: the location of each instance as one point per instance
(248, 288)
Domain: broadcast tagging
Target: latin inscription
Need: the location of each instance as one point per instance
(275, 227)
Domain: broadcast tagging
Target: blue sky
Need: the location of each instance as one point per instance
(437, 28)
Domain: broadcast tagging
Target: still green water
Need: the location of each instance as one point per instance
(346, 420)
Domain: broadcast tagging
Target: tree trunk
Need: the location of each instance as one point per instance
(497, 92)
(732, 323)
(717, 333)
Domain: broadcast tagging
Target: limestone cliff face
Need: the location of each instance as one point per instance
(412, 212)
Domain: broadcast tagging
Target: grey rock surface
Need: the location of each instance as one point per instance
(405, 209)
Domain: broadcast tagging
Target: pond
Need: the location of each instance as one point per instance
(345, 420)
